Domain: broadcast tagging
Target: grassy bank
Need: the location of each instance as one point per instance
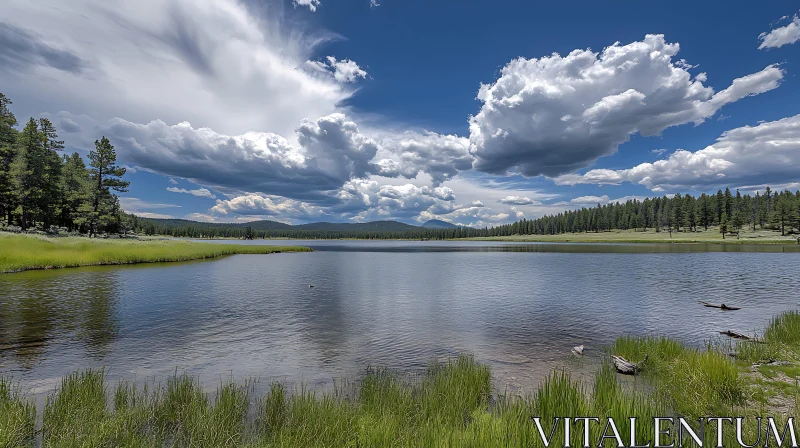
(27, 252)
(452, 404)
(651, 236)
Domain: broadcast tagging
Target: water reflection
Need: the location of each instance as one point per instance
(39, 311)
(395, 304)
(495, 246)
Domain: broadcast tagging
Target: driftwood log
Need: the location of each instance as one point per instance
(626, 367)
(740, 336)
(735, 335)
(721, 306)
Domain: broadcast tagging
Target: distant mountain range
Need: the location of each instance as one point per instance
(374, 226)
(438, 224)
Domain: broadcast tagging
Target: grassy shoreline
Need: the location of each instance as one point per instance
(711, 236)
(451, 404)
(27, 252)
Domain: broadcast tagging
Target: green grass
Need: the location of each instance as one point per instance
(451, 404)
(692, 382)
(711, 235)
(26, 252)
(17, 417)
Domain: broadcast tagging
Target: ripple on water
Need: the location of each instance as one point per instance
(383, 305)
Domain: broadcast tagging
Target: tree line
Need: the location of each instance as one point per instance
(726, 212)
(42, 188)
(729, 212)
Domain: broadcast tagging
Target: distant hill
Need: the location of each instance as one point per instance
(374, 226)
(438, 224)
(255, 225)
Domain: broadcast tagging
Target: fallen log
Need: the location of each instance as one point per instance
(740, 336)
(735, 335)
(721, 306)
(626, 367)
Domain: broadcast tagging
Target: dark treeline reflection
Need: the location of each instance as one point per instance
(76, 309)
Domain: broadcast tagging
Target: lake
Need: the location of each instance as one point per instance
(397, 304)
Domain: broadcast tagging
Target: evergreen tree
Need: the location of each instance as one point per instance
(8, 141)
(75, 189)
(28, 174)
(784, 211)
(104, 176)
(51, 182)
(723, 224)
(756, 210)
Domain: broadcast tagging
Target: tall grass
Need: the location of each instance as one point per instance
(451, 404)
(780, 342)
(17, 416)
(687, 380)
(26, 252)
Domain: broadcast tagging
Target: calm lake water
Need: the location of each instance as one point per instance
(518, 307)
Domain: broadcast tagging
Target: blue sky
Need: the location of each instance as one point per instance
(343, 110)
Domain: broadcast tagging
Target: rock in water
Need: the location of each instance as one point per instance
(578, 350)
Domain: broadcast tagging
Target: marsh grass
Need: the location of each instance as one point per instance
(28, 252)
(451, 404)
(17, 416)
(780, 342)
(692, 382)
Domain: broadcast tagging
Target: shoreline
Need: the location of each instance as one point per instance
(21, 253)
(711, 236)
(453, 401)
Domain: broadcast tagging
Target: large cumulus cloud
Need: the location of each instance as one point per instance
(750, 155)
(331, 152)
(557, 114)
(411, 153)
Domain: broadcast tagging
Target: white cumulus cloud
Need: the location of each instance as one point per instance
(310, 4)
(200, 192)
(518, 200)
(343, 71)
(778, 37)
(556, 114)
(750, 155)
(410, 153)
(265, 206)
(330, 152)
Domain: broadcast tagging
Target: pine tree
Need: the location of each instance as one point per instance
(784, 211)
(728, 202)
(8, 151)
(104, 176)
(74, 189)
(756, 210)
(723, 224)
(8, 135)
(28, 174)
(51, 182)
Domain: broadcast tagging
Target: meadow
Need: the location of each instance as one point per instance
(29, 252)
(451, 404)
